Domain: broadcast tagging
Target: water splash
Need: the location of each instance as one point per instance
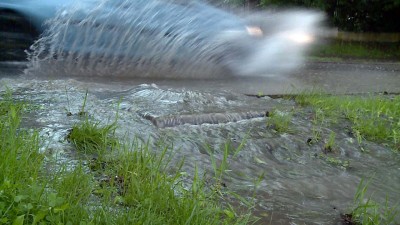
(168, 39)
(288, 36)
(198, 119)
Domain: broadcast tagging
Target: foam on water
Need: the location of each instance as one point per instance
(169, 38)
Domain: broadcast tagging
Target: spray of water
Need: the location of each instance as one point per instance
(170, 38)
(288, 36)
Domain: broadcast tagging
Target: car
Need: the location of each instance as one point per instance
(21, 22)
(143, 36)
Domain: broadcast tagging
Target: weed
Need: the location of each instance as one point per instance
(396, 138)
(316, 135)
(20, 164)
(369, 212)
(279, 121)
(92, 137)
(374, 118)
(68, 108)
(330, 144)
(219, 187)
(83, 112)
(317, 122)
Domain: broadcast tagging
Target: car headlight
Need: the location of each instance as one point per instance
(299, 37)
(254, 31)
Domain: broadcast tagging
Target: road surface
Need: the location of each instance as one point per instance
(332, 77)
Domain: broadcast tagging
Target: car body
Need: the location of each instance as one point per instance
(21, 22)
(145, 34)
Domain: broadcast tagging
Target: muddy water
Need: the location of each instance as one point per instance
(300, 185)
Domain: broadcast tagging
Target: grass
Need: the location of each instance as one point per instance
(279, 121)
(330, 143)
(111, 183)
(357, 50)
(20, 193)
(374, 118)
(368, 212)
(91, 137)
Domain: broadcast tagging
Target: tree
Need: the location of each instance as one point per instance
(348, 15)
(353, 15)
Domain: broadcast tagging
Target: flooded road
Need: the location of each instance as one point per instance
(301, 183)
(331, 77)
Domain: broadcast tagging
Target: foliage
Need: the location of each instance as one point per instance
(370, 15)
(91, 137)
(330, 143)
(20, 193)
(374, 118)
(355, 15)
(279, 121)
(368, 212)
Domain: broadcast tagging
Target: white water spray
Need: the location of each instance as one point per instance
(170, 39)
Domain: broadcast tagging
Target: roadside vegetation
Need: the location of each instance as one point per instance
(279, 121)
(366, 211)
(344, 50)
(374, 118)
(110, 182)
(355, 16)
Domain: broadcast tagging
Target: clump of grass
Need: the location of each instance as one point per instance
(92, 137)
(317, 122)
(375, 118)
(368, 212)
(330, 144)
(279, 121)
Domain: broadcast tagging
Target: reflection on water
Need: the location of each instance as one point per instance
(299, 186)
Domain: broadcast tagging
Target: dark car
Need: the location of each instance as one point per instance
(21, 22)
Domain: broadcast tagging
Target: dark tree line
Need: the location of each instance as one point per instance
(347, 15)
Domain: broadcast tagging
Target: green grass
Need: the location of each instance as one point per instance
(90, 137)
(111, 183)
(368, 212)
(330, 143)
(279, 121)
(374, 118)
(28, 193)
(20, 161)
(357, 50)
